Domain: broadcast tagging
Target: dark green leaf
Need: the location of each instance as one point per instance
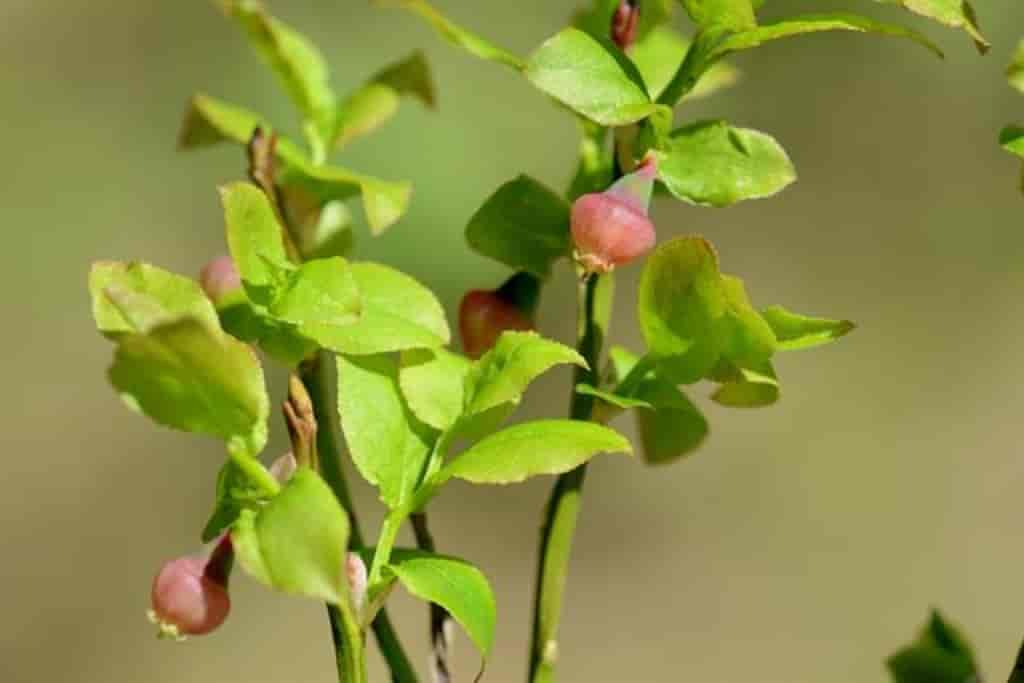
(794, 331)
(132, 297)
(523, 225)
(388, 444)
(433, 383)
(1012, 140)
(590, 77)
(940, 655)
(531, 449)
(457, 35)
(186, 376)
(297, 542)
(714, 164)
(243, 484)
(456, 585)
(954, 13)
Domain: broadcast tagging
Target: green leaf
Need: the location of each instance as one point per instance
(398, 313)
(531, 449)
(728, 15)
(210, 121)
(714, 164)
(454, 584)
(433, 383)
(502, 374)
(746, 338)
(320, 292)
(523, 225)
(669, 424)
(660, 54)
(794, 331)
(373, 104)
(953, 13)
(251, 323)
(186, 376)
(743, 387)
(1015, 72)
(297, 63)
(255, 241)
(457, 35)
(388, 444)
(296, 543)
(132, 297)
(1012, 140)
(243, 484)
(590, 77)
(613, 399)
(940, 655)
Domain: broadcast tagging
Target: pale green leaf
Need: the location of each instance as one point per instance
(714, 164)
(433, 383)
(243, 484)
(297, 542)
(523, 225)
(186, 376)
(255, 240)
(953, 13)
(728, 15)
(132, 297)
(388, 444)
(531, 449)
(590, 77)
(794, 331)
(454, 584)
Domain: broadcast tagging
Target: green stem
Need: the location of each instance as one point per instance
(563, 508)
(385, 544)
(349, 644)
(315, 375)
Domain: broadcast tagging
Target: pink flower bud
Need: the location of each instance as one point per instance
(483, 316)
(284, 467)
(355, 570)
(190, 594)
(625, 22)
(612, 228)
(219, 278)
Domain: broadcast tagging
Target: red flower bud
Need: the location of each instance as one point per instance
(219, 278)
(625, 22)
(483, 316)
(611, 228)
(190, 594)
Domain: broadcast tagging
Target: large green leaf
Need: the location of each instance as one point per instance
(398, 313)
(659, 55)
(433, 383)
(714, 164)
(531, 449)
(456, 585)
(243, 484)
(297, 63)
(373, 104)
(132, 297)
(590, 77)
(794, 331)
(502, 374)
(388, 444)
(940, 655)
(297, 542)
(954, 13)
(186, 376)
(728, 15)
(457, 35)
(523, 225)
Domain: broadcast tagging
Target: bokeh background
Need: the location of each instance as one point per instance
(802, 544)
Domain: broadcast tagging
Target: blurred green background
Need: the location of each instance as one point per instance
(803, 543)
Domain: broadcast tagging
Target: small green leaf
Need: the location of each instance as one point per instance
(531, 449)
(454, 584)
(615, 400)
(502, 374)
(743, 387)
(1015, 72)
(132, 297)
(660, 54)
(321, 229)
(209, 121)
(297, 63)
(373, 104)
(1012, 140)
(398, 313)
(186, 376)
(728, 15)
(296, 543)
(714, 164)
(388, 444)
(590, 77)
(433, 383)
(243, 484)
(320, 292)
(457, 35)
(253, 324)
(940, 655)
(255, 241)
(523, 225)
(794, 331)
(953, 13)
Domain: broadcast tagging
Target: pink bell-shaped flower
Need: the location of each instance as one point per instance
(190, 594)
